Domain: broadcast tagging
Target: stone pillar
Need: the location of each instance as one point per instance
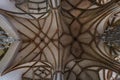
(58, 76)
(54, 3)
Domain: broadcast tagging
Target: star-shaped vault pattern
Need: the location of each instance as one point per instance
(67, 41)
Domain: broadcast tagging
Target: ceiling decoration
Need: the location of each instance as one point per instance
(66, 39)
(111, 36)
(9, 43)
(102, 2)
(36, 8)
(4, 45)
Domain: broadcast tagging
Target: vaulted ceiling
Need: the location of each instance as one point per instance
(61, 39)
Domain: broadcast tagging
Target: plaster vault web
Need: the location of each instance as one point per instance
(64, 39)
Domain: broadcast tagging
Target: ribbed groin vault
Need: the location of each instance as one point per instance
(62, 39)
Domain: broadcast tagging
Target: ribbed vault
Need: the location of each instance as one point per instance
(64, 40)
